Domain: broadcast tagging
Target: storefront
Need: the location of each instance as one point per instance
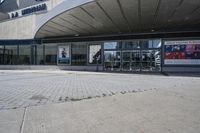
(142, 55)
(125, 55)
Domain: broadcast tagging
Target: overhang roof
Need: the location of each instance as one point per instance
(100, 17)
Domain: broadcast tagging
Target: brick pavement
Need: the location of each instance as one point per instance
(23, 89)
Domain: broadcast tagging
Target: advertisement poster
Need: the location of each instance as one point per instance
(182, 52)
(63, 55)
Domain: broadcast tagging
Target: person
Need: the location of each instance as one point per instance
(63, 53)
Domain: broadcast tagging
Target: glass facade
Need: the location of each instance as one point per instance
(1, 54)
(126, 55)
(39, 55)
(141, 55)
(25, 54)
(79, 54)
(10, 55)
(50, 54)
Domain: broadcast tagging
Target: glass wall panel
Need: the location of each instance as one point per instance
(110, 56)
(51, 54)
(24, 54)
(131, 60)
(94, 54)
(40, 55)
(146, 44)
(112, 60)
(151, 60)
(11, 55)
(130, 45)
(141, 55)
(135, 60)
(126, 56)
(112, 45)
(1, 55)
(79, 54)
(157, 43)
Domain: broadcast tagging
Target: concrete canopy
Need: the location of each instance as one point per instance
(104, 17)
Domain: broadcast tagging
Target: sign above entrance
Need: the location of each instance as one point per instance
(29, 10)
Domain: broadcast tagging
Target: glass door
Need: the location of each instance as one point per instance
(150, 60)
(131, 60)
(133, 56)
(112, 60)
(135, 64)
(126, 63)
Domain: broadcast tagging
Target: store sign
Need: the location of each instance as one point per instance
(182, 52)
(29, 10)
(63, 54)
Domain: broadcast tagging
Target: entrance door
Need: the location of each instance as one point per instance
(131, 60)
(133, 56)
(135, 65)
(112, 60)
(150, 60)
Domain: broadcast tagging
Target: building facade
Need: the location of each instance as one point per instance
(106, 35)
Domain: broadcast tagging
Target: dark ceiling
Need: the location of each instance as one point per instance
(124, 17)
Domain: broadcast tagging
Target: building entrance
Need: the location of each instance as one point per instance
(135, 56)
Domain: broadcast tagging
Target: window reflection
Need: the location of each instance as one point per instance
(130, 45)
(110, 56)
(151, 60)
(51, 54)
(79, 54)
(25, 54)
(1, 55)
(112, 45)
(112, 60)
(10, 55)
(40, 55)
(151, 44)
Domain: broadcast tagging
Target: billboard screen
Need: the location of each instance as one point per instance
(182, 52)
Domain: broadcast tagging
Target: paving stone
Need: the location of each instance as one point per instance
(18, 89)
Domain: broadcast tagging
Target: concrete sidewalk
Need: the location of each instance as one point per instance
(174, 110)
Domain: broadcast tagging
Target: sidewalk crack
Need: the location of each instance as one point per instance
(23, 119)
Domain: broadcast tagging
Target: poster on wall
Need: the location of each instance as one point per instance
(182, 52)
(63, 55)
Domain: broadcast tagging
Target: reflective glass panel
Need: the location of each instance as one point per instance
(51, 54)
(151, 44)
(40, 55)
(11, 55)
(1, 54)
(79, 54)
(24, 54)
(126, 56)
(112, 56)
(130, 45)
(112, 45)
